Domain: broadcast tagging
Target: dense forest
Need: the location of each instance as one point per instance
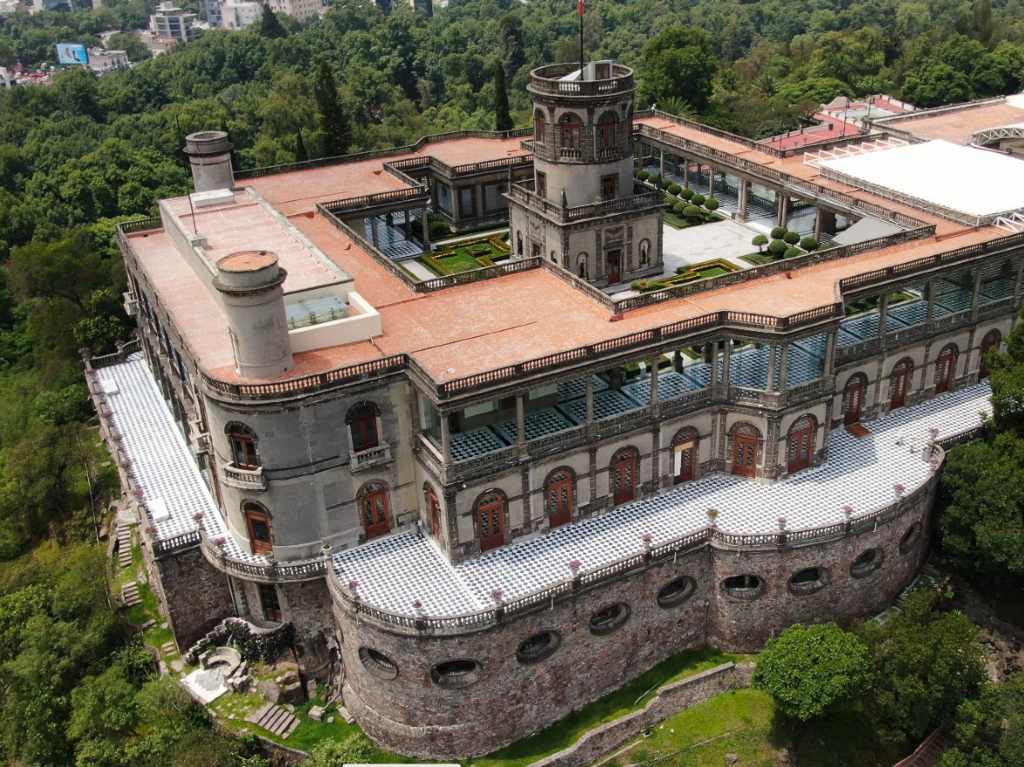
(86, 152)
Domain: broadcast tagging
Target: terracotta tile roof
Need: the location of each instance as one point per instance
(957, 124)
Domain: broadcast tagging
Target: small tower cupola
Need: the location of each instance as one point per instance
(209, 155)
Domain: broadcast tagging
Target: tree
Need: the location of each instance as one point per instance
(982, 10)
(926, 662)
(301, 155)
(502, 118)
(936, 84)
(333, 122)
(989, 731)
(809, 244)
(356, 748)
(270, 25)
(130, 43)
(760, 241)
(812, 670)
(680, 62)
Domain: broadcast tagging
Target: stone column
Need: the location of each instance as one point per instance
(883, 311)
(830, 354)
(589, 399)
(741, 203)
(373, 231)
(976, 294)
(817, 223)
(713, 359)
(655, 401)
(784, 368)
(520, 422)
(406, 217)
(726, 378)
(782, 209)
(686, 173)
(446, 439)
(770, 382)
(711, 181)
(929, 297)
(425, 226)
(661, 163)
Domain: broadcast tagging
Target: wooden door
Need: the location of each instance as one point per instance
(685, 458)
(898, 385)
(614, 267)
(744, 454)
(561, 498)
(853, 401)
(491, 518)
(434, 510)
(944, 371)
(623, 478)
(376, 516)
(800, 446)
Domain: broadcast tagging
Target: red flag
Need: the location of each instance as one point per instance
(581, 7)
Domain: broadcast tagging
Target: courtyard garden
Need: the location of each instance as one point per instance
(684, 207)
(686, 274)
(467, 255)
(780, 244)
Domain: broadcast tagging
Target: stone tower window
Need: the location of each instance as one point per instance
(676, 592)
(608, 619)
(572, 130)
(539, 126)
(866, 563)
(258, 527)
(242, 441)
(362, 425)
(606, 126)
(538, 647)
(455, 673)
(377, 663)
(268, 601)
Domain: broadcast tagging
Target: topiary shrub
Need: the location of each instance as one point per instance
(687, 194)
(655, 179)
(777, 248)
(674, 188)
(809, 244)
(792, 252)
(778, 232)
(679, 209)
(791, 238)
(691, 211)
(760, 241)
(711, 203)
(698, 199)
(643, 175)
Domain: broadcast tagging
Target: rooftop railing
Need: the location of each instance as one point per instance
(525, 194)
(549, 80)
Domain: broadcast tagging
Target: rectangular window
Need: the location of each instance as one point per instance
(466, 199)
(609, 187)
(268, 599)
(542, 184)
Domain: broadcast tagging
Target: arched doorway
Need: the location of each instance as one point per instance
(685, 454)
(945, 369)
(992, 340)
(362, 423)
(623, 471)
(800, 443)
(490, 517)
(560, 496)
(374, 509)
(746, 449)
(899, 383)
(853, 398)
(258, 527)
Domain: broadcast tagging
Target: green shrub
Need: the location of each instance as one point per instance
(711, 203)
(679, 209)
(778, 232)
(760, 241)
(809, 244)
(777, 247)
(655, 179)
(674, 188)
(691, 211)
(687, 194)
(643, 175)
(792, 252)
(697, 199)
(681, 269)
(791, 238)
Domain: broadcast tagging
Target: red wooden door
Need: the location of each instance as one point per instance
(944, 371)
(434, 509)
(800, 447)
(375, 513)
(614, 269)
(898, 386)
(744, 455)
(624, 478)
(853, 401)
(491, 517)
(561, 498)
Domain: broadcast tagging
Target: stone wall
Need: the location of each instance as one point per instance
(670, 700)
(195, 595)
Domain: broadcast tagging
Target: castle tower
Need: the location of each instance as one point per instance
(249, 283)
(582, 211)
(209, 154)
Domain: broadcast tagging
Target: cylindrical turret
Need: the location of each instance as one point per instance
(209, 154)
(249, 282)
(583, 132)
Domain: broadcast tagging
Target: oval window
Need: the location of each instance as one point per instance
(909, 538)
(608, 619)
(538, 647)
(377, 663)
(808, 580)
(455, 673)
(866, 563)
(745, 586)
(677, 591)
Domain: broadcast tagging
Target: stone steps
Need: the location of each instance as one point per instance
(124, 545)
(276, 719)
(168, 648)
(130, 595)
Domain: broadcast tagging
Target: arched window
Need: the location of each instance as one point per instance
(685, 454)
(945, 368)
(433, 507)
(565, 260)
(645, 252)
(800, 443)
(990, 342)
(539, 126)
(362, 425)
(899, 383)
(258, 528)
(623, 472)
(519, 243)
(554, 257)
(571, 129)
(560, 496)
(491, 508)
(746, 449)
(581, 265)
(374, 509)
(853, 398)
(606, 126)
(242, 441)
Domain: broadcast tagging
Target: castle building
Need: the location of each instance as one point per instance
(518, 487)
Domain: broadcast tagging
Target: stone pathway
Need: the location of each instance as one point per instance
(130, 595)
(277, 719)
(419, 271)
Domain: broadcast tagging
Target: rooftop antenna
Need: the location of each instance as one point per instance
(192, 210)
(581, 9)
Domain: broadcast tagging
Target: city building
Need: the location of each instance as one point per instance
(517, 488)
(301, 10)
(841, 118)
(239, 15)
(212, 13)
(102, 60)
(172, 23)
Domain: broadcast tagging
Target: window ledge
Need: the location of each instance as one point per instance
(245, 479)
(374, 456)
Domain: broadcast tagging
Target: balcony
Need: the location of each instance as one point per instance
(374, 456)
(131, 304)
(600, 78)
(244, 479)
(523, 193)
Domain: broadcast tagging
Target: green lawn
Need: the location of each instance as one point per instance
(702, 271)
(464, 256)
(744, 723)
(757, 259)
(633, 696)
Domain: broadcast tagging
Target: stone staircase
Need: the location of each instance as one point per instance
(277, 719)
(124, 545)
(130, 595)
